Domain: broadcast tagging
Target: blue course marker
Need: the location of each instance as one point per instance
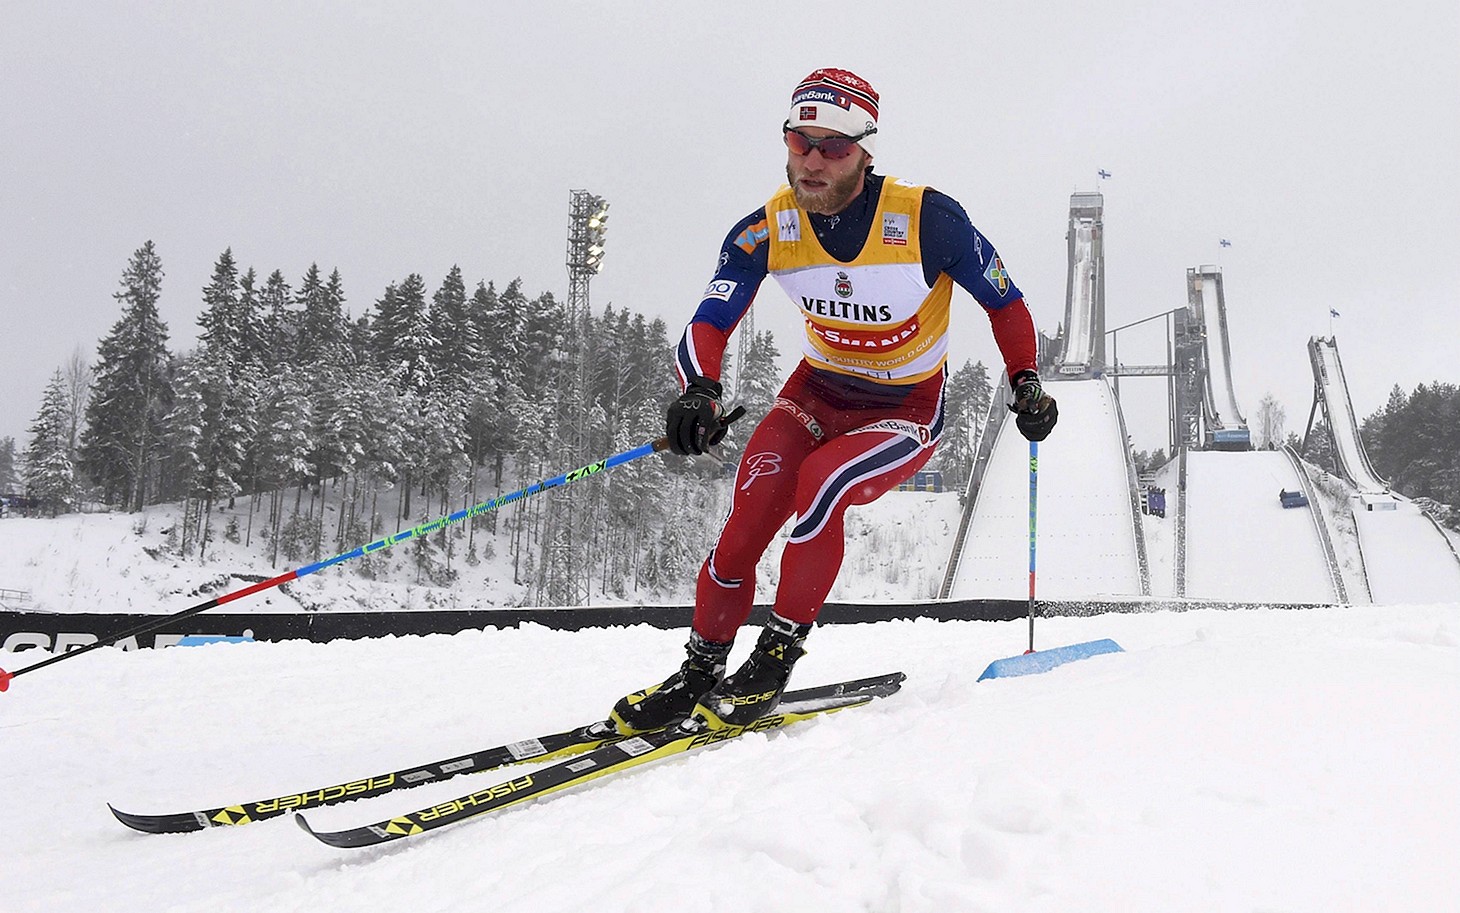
(1045, 660)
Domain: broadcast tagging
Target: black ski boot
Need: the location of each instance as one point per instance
(755, 688)
(674, 698)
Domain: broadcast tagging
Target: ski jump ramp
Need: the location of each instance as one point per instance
(1084, 346)
(1089, 538)
(1407, 558)
(1086, 524)
(1237, 541)
(1208, 303)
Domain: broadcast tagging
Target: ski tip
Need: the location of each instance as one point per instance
(126, 818)
(184, 823)
(5, 678)
(342, 839)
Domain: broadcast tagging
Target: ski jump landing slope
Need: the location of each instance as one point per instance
(1241, 544)
(1407, 559)
(1086, 541)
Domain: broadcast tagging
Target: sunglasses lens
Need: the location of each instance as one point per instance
(797, 142)
(832, 147)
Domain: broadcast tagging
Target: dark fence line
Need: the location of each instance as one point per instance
(22, 631)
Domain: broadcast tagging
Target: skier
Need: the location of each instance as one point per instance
(871, 261)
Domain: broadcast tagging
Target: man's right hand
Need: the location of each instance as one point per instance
(694, 421)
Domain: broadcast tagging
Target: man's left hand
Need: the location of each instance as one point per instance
(1035, 412)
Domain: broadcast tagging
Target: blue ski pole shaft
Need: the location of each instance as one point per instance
(1033, 515)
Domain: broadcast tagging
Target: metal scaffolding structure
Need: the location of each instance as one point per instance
(587, 228)
(564, 576)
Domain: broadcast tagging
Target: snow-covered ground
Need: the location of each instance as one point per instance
(1267, 760)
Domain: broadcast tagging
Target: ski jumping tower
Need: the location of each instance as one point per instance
(1082, 351)
(1206, 412)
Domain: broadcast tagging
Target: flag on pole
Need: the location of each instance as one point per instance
(1333, 313)
(1226, 243)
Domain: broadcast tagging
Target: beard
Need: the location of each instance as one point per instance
(834, 197)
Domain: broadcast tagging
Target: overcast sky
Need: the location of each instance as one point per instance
(1322, 138)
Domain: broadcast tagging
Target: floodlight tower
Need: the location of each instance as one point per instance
(587, 228)
(565, 575)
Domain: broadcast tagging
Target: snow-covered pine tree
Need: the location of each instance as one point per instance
(966, 405)
(403, 346)
(498, 394)
(382, 409)
(124, 420)
(281, 321)
(498, 320)
(1413, 442)
(285, 441)
(338, 430)
(253, 345)
(209, 432)
(221, 318)
(321, 319)
(543, 355)
(49, 473)
(759, 378)
(185, 439)
(9, 467)
(1385, 448)
(1317, 447)
(334, 296)
(458, 352)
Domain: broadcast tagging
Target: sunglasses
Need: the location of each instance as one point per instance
(831, 147)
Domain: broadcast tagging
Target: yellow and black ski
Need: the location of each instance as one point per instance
(558, 745)
(548, 747)
(606, 760)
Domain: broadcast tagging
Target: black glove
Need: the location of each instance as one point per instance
(694, 420)
(1034, 410)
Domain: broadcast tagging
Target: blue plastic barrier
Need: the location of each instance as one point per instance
(198, 640)
(1045, 660)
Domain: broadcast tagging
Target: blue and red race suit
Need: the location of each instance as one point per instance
(863, 410)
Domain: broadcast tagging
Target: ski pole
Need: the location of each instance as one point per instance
(424, 529)
(1033, 513)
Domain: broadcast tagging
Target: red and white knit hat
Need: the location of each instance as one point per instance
(838, 100)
